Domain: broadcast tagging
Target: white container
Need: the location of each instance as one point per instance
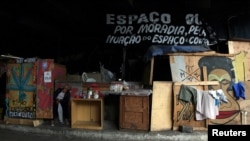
(96, 96)
(116, 86)
(90, 93)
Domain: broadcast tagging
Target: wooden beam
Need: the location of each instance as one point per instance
(151, 71)
(197, 83)
(201, 54)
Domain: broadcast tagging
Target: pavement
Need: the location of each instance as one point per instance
(110, 132)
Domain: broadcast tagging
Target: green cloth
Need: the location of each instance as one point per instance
(188, 94)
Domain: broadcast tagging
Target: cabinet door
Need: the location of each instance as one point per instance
(21, 90)
(134, 112)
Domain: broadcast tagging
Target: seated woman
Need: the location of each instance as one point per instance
(61, 105)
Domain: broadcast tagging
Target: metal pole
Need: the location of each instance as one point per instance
(124, 63)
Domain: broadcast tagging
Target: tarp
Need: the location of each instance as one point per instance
(155, 50)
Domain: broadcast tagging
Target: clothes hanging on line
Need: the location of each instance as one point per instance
(239, 90)
(206, 101)
(219, 96)
(188, 94)
(206, 106)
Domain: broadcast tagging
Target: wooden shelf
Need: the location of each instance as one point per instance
(87, 125)
(87, 113)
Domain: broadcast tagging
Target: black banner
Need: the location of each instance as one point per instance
(159, 29)
(237, 132)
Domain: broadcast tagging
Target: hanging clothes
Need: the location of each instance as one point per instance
(219, 96)
(239, 90)
(206, 106)
(188, 94)
(206, 102)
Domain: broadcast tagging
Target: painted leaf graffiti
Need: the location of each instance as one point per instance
(21, 80)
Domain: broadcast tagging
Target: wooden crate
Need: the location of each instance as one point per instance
(87, 113)
(134, 112)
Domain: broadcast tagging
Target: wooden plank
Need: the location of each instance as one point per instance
(161, 111)
(241, 60)
(204, 70)
(201, 54)
(197, 83)
(37, 122)
(193, 53)
(31, 122)
(151, 71)
(245, 105)
(205, 77)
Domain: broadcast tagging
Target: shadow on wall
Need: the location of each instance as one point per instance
(162, 71)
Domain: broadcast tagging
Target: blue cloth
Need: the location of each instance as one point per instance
(239, 90)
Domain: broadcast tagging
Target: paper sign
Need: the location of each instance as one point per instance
(47, 76)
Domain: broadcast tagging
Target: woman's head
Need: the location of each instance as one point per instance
(66, 88)
(219, 68)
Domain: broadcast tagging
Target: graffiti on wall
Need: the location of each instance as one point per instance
(219, 68)
(182, 71)
(241, 64)
(190, 73)
(44, 93)
(20, 95)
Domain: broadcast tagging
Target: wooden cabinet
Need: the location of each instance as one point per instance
(30, 88)
(87, 113)
(134, 112)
